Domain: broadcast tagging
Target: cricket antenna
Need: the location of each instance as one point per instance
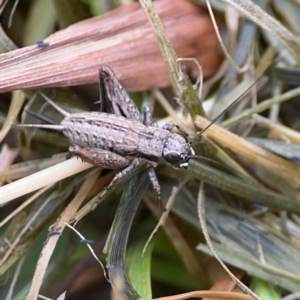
(241, 95)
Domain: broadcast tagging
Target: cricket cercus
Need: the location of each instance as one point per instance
(124, 138)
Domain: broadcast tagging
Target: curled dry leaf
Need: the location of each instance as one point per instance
(122, 39)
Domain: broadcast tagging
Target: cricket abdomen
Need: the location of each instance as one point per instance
(126, 137)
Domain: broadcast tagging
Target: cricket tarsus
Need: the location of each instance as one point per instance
(123, 138)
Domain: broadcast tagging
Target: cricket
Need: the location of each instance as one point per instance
(124, 138)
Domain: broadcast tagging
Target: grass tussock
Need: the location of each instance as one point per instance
(228, 226)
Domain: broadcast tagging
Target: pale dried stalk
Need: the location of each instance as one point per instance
(277, 130)
(41, 179)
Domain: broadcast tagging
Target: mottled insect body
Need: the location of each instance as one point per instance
(125, 137)
(122, 139)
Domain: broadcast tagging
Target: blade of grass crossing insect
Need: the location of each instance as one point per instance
(118, 236)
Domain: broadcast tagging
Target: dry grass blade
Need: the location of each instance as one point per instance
(75, 54)
(270, 24)
(165, 46)
(24, 204)
(283, 149)
(180, 82)
(17, 272)
(116, 243)
(202, 216)
(279, 131)
(50, 244)
(284, 169)
(182, 247)
(268, 103)
(23, 232)
(6, 44)
(15, 107)
(166, 213)
(208, 294)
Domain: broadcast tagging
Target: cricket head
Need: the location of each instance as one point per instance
(177, 151)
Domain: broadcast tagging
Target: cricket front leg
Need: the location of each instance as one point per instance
(147, 115)
(124, 173)
(171, 125)
(154, 180)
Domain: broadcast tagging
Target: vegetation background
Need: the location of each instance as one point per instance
(247, 189)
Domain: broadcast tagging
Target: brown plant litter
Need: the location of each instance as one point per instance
(122, 39)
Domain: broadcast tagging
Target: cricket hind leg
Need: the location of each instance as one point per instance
(108, 160)
(112, 90)
(103, 100)
(100, 157)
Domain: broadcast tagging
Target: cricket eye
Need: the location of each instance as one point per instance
(173, 158)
